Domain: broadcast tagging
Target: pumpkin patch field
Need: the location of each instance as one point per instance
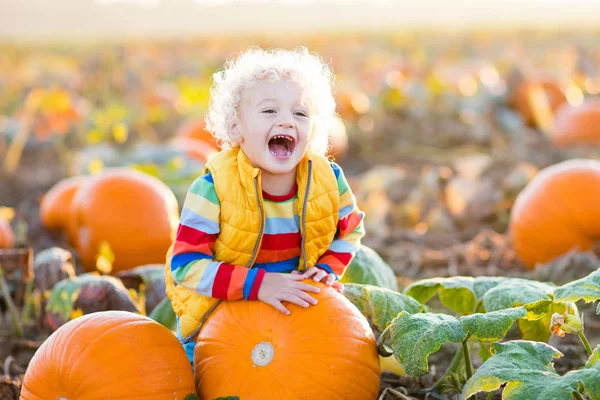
(474, 156)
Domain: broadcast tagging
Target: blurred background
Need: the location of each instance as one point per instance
(447, 109)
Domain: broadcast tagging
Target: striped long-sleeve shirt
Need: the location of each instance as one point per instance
(193, 265)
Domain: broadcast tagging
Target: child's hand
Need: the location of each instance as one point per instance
(322, 276)
(276, 288)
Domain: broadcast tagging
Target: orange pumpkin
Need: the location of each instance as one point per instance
(338, 139)
(109, 355)
(577, 125)
(7, 236)
(326, 351)
(195, 129)
(134, 212)
(557, 212)
(196, 149)
(56, 203)
(520, 99)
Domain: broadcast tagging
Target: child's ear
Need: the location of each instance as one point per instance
(234, 133)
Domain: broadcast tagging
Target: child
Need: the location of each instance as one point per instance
(269, 210)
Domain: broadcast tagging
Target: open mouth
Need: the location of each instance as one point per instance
(282, 146)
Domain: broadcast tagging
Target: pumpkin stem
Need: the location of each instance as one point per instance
(262, 354)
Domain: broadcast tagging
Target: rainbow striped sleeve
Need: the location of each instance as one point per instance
(350, 230)
(192, 264)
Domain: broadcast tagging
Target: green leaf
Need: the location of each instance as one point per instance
(484, 283)
(414, 337)
(380, 305)
(163, 314)
(368, 268)
(228, 398)
(526, 368)
(456, 293)
(192, 396)
(516, 292)
(594, 358)
(587, 289)
(598, 309)
(492, 326)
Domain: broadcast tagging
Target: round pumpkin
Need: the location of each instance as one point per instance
(557, 212)
(338, 139)
(55, 206)
(7, 236)
(196, 149)
(327, 351)
(520, 99)
(135, 213)
(577, 125)
(109, 355)
(195, 129)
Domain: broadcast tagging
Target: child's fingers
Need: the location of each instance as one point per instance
(330, 279)
(311, 271)
(305, 287)
(306, 297)
(292, 298)
(295, 272)
(320, 275)
(338, 286)
(280, 307)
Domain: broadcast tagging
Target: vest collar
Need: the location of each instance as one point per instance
(249, 172)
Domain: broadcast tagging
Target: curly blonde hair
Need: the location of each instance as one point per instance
(307, 70)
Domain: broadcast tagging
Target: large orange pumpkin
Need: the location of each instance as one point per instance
(521, 98)
(7, 236)
(577, 125)
(134, 212)
(250, 350)
(558, 211)
(109, 355)
(56, 203)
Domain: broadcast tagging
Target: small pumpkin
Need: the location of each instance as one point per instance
(55, 206)
(195, 129)
(135, 213)
(338, 139)
(577, 125)
(557, 212)
(195, 149)
(109, 355)
(325, 351)
(7, 236)
(521, 98)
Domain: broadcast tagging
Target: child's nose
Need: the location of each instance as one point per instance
(286, 124)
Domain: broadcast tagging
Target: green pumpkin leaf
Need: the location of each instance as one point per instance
(587, 289)
(456, 293)
(415, 336)
(368, 268)
(484, 283)
(492, 326)
(516, 292)
(192, 396)
(227, 398)
(594, 358)
(163, 314)
(380, 305)
(526, 368)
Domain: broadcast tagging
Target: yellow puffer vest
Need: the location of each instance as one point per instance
(242, 223)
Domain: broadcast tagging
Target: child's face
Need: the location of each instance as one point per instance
(273, 126)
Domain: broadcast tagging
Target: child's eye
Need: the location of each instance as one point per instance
(269, 111)
(302, 114)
